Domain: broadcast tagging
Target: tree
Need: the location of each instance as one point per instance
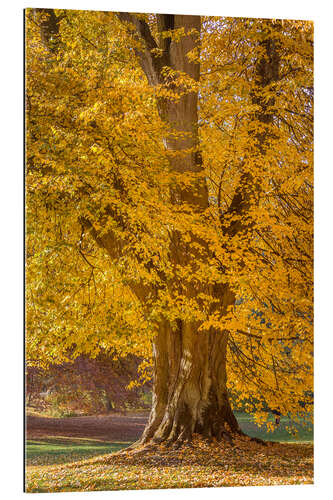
(87, 385)
(174, 185)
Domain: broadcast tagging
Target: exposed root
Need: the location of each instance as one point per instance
(140, 448)
(226, 436)
(260, 441)
(171, 442)
(198, 448)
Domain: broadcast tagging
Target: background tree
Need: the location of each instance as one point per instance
(169, 212)
(87, 386)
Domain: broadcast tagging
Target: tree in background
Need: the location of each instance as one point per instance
(169, 207)
(87, 386)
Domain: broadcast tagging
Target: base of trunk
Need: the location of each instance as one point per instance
(178, 427)
(190, 395)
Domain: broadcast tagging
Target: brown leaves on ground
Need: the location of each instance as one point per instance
(200, 464)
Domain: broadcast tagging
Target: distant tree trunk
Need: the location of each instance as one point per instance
(109, 404)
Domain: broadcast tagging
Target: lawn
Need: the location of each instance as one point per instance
(61, 450)
(301, 433)
(75, 464)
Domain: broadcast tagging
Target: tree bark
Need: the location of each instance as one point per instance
(189, 394)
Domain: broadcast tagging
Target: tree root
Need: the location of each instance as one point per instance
(149, 446)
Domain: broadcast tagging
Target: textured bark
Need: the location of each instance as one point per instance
(190, 394)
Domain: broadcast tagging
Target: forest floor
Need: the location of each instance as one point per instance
(77, 454)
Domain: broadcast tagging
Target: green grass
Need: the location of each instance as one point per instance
(60, 450)
(303, 434)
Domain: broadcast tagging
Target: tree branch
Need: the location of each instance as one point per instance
(150, 65)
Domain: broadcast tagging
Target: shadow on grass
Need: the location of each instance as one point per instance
(61, 450)
(51, 450)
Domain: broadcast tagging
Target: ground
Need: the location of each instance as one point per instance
(107, 428)
(77, 454)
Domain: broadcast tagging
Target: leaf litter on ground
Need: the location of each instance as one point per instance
(199, 464)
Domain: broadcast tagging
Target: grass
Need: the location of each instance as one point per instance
(75, 464)
(60, 450)
(301, 433)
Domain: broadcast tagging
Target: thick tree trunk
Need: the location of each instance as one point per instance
(190, 394)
